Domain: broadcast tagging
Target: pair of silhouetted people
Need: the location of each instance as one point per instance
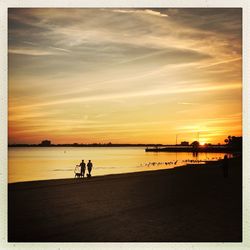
(83, 168)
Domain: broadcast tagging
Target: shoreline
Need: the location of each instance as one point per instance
(205, 163)
(193, 203)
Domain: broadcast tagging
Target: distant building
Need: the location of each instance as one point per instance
(45, 143)
(184, 143)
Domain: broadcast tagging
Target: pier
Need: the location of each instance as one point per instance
(191, 148)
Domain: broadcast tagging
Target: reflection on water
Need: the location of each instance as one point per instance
(27, 164)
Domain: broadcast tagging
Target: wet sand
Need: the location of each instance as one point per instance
(185, 204)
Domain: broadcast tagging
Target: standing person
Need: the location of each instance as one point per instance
(225, 166)
(83, 168)
(90, 165)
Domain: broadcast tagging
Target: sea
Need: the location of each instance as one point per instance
(44, 163)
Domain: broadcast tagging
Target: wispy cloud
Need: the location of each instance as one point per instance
(61, 49)
(31, 52)
(38, 52)
(144, 12)
(129, 95)
(208, 65)
(186, 103)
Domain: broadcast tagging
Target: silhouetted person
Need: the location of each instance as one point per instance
(89, 165)
(225, 166)
(83, 168)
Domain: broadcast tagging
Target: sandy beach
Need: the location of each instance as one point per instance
(186, 204)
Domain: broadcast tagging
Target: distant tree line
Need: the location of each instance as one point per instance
(234, 142)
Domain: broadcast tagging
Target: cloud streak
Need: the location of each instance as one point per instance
(144, 12)
(31, 52)
(140, 94)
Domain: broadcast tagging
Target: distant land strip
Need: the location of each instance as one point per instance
(87, 145)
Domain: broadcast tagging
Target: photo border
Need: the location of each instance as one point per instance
(5, 4)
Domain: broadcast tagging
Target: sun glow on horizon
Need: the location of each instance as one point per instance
(203, 142)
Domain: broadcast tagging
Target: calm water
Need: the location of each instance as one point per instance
(27, 164)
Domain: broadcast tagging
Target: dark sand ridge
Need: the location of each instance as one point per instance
(185, 204)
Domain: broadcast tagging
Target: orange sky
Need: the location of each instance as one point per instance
(124, 75)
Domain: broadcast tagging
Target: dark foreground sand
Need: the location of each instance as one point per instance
(187, 204)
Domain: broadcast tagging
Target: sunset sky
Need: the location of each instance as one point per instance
(124, 75)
